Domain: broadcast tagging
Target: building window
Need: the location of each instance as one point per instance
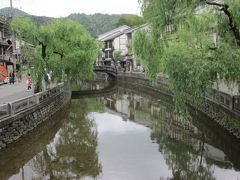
(228, 101)
(237, 103)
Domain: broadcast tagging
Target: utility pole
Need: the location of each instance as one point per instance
(11, 10)
(11, 4)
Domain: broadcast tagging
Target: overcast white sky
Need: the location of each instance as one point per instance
(61, 8)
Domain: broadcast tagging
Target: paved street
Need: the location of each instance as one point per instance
(9, 93)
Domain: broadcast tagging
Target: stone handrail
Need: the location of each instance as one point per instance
(15, 107)
(111, 69)
(4, 57)
(4, 111)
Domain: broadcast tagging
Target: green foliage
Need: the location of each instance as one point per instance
(130, 20)
(96, 24)
(117, 55)
(148, 53)
(62, 47)
(187, 52)
(77, 48)
(25, 29)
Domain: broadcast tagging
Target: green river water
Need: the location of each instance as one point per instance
(123, 135)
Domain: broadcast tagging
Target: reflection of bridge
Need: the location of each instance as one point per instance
(110, 89)
(111, 70)
(214, 139)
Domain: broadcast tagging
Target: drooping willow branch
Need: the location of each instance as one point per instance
(231, 23)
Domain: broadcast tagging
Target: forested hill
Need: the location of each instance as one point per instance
(96, 24)
(16, 12)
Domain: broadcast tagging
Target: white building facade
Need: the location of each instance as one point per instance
(117, 40)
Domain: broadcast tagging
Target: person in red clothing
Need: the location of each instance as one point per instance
(29, 82)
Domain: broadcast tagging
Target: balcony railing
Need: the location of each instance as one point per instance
(110, 48)
(4, 57)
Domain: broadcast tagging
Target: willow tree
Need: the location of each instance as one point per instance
(63, 47)
(194, 42)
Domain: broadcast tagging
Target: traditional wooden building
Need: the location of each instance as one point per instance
(6, 48)
(116, 40)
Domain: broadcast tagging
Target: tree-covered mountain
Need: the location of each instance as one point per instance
(16, 12)
(96, 24)
(130, 20)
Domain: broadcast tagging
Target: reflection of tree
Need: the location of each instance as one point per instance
(183, 153)
(182, 145)
(73, 154)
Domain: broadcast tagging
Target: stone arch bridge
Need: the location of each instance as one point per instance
(110, 70)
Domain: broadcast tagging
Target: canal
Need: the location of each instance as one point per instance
(123, 135)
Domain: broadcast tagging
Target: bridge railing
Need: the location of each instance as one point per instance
(4, 111)
(15, 107)
(106, 68)
(22, 104)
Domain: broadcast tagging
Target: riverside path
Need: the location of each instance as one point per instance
(18, 90)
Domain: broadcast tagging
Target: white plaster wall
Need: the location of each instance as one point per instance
(122, 105)
(116, 44)
(120, 44)
(231, 88)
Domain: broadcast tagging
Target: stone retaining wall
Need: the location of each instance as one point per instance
(222, 115)
(22, 116)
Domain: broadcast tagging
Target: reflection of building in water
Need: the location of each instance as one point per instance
(181, 134)
(169, 129)
(146, 110)
(122, 105)
(216, 156)
(110, 103)
(88, 85)
(130, 106)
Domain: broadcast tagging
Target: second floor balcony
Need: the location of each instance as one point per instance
(5, 58)
(108, 49)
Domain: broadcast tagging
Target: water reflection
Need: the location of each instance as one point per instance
(14, 160)
(126, 151)
(72, 154)
(124, 135)
(190, 149)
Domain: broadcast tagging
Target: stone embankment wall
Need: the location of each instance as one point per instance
(22, 116)
(222, 113)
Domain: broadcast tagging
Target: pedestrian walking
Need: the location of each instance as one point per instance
(29, 82)
(13, 77)
(10, 77)
(19, 76)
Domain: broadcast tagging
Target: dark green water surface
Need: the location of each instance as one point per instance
(123, 135)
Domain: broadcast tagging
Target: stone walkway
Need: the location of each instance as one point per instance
(9, 93)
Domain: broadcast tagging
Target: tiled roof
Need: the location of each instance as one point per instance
(112, 36)
(118, 32)
(113, 33)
